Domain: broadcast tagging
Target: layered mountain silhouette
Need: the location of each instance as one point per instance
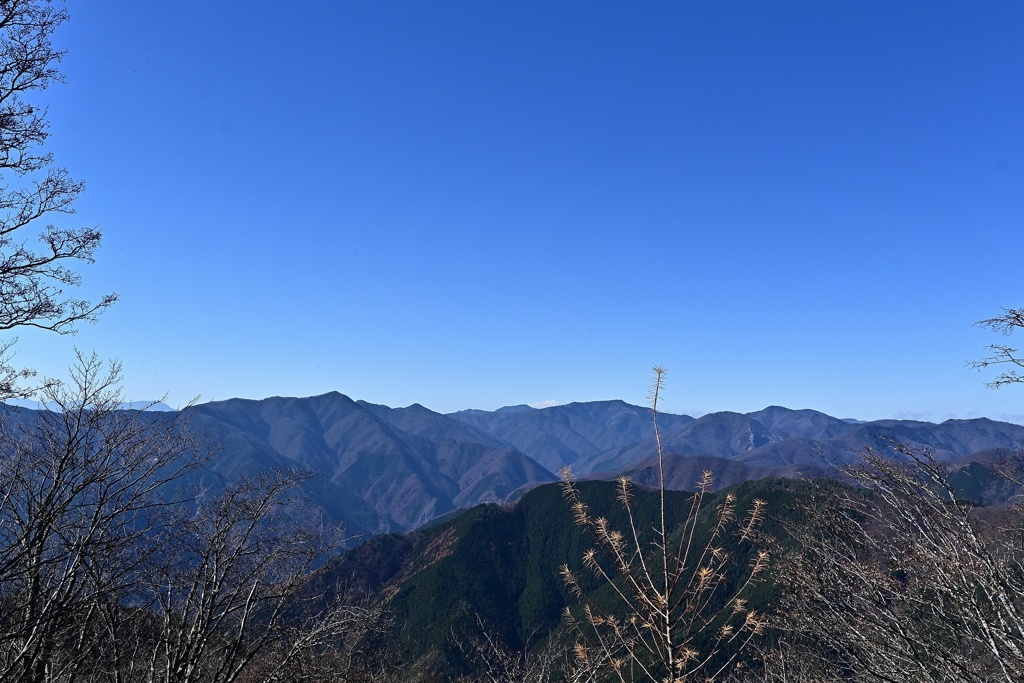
(383, 469)
(393, 469)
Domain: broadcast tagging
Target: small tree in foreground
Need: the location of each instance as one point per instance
(678, 616)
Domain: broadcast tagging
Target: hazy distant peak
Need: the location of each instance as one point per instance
(972, 420)
(606, 402)
(471, 411)
(155, 406)
(521, 408)
(330, 395)
(724, 414)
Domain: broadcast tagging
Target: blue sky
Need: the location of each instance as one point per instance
(475, 204)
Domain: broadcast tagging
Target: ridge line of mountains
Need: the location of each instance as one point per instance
(388, 469)
(385, 469)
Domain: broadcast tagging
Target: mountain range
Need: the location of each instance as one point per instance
(383, 469)
(388, 469)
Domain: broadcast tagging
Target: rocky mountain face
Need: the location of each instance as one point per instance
(385, 469)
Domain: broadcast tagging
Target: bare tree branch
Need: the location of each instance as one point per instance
(1000, 354)
(37, 260)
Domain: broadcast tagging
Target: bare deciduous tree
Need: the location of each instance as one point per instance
(493, 662)
(113, 570)
(782, 663)
(902, 581)
(35, 257)
(679, 618)
(84, 486)
(227, 589)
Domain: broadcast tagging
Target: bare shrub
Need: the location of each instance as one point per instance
(678, 617)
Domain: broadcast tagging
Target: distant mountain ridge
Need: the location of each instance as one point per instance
(385, 469)
(393, 469)
(565, 435)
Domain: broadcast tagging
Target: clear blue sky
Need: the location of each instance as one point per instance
(474, 204)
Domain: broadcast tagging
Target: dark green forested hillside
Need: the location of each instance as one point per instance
(499, 566)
